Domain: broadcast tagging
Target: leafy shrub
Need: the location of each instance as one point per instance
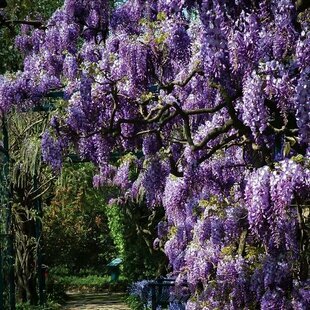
(91, 281)
(134, 303)
(133, 230)
(48, 306)
(55, 290)
(76, 233)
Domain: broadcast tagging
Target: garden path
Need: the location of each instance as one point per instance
(95, 301)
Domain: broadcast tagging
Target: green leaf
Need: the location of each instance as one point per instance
(161, 16)
(291, 140)
(286, 149)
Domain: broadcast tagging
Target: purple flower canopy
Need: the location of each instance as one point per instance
(208, 101)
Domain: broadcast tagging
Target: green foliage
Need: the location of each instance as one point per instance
(90, 282)
(134, 303)
(133, 229)
(76, 233)
(32, 9)
(116, 222)
(24, 166)
(10, 58)
(25, 146)
(48, 306)
(55, 290)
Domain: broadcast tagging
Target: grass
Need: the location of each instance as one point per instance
(92, 283)
(87, 280)
(48, 306)
(60, 280)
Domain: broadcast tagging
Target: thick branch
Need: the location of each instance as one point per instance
(183, 83)
(242, 242)
(174, 168)
(115, 105)
(304, 241)
(205, 111)
(186, 126)
(34, 23)
(218, 147)
(214, 134)
(161, 112)
(230, 107)
(187, 80)
(168, 119)
(145, 132)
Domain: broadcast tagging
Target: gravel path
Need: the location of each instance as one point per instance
(95, 301)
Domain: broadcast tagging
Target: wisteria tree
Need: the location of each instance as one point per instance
(216, 95)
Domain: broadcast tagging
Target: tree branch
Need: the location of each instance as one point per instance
(186, 126)
(206, 110)
(34, 23)
(214, 134)
(242, 242)
(169, 87)
(218, 147)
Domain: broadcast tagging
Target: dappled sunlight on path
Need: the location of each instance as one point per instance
(95, 301)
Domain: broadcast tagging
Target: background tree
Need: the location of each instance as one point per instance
(133, 228)
(11, 15)
(81, 230)
(76, 231)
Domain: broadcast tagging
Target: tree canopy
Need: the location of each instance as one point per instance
(209, 102)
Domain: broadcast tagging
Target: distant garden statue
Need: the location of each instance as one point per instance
(216, 94)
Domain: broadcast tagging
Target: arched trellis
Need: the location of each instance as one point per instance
(7, 253)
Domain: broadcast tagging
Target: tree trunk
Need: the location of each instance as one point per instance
(25, 256)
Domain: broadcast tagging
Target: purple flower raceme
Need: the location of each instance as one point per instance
(302, 105)
(70, 67)
(122, 176)
(255, 113)
(52, 150)
(153, 181)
